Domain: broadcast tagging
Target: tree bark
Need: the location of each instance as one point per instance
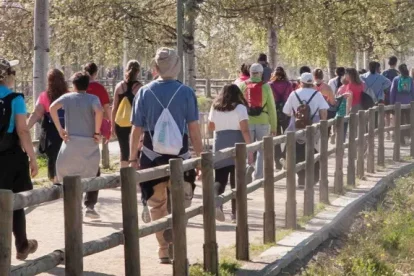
(272, 45)
(41, 52)
(189, 49)
(332, 55)
(180, 21)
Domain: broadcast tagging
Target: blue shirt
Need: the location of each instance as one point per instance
(18, 106)
(146, 109)
(377, 82)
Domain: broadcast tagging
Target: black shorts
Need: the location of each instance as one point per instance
(123, 134)
(14, 171)
(52, 153)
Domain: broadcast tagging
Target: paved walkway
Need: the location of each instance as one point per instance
(45, 223)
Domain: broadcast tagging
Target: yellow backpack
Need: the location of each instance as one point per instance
(123, 114)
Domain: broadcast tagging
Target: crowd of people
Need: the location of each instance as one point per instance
(157, 121)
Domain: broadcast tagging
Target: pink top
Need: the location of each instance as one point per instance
(44, 100)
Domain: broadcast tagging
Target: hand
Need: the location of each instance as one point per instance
(273, 133)
(250, 159)
(134, 164)
(33, 167)
(113, 133)
(97, 138)
(64, 135)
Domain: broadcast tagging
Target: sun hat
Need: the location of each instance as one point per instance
(5, 67)
(168, 63)
(256, 68)
(306, 78)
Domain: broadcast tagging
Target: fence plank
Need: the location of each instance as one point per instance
(179, 219)
(412, 130)
(397, 132)
(269, 227)
(105, 154)
(309, 193)
(72, 202)
(352, 148)
(323, 163)
(130, 221)
(209, 214)
(242, 232)
(6, 222)
(291, 221)
(339, 155)
(381, 136)
(371, 142)
(361, 144)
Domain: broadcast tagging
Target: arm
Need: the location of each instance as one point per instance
(195, 136)
(332, 84)
(54, 107)
(385, 86)
(98, 119)
(36, 115)
(330, 95)
(115, 105)
(323, 114)
(271, 108)
(349, 104)
(244, 127)
(26, 142)
(107, 112)
(136, 133)
(393, 92)
(211, 126)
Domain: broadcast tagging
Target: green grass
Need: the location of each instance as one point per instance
(319, 207)
(226, 268)
(382, 244)
(42, 164)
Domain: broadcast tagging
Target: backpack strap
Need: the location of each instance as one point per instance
(313, 95)
(170, 99)
(297, 96)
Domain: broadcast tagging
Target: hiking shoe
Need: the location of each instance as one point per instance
(146, 217)
(91, 213)
(233, 218)
(31, 248)
(220, 214)
(188, 194)
(165, 260)
(283, 163)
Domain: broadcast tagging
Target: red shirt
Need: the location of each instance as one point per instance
(356, 91)
(97, 89)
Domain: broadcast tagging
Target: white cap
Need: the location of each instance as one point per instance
(306, 78)
(256, 68)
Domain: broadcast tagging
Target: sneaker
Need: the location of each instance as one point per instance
(233, 218)
(283, 163)
(31, 248)
(188, 194)
(146, 217)
(219, 214)
(165, 260)
(91, 213)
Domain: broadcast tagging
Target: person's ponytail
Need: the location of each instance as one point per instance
(131, 73)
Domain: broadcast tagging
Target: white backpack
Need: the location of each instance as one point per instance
(167, 137)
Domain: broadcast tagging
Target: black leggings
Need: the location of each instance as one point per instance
(123, 134)
(221, 179)
(52, 154)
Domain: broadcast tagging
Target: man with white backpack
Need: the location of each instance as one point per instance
(166, 112)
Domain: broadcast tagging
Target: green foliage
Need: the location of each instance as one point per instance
(226, 268)
(204, 104)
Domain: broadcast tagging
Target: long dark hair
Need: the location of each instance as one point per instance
(244, 69)
(91, 68)
(56, 84)
(279, 75)
(404, 70)
(229, 97)
(132, 70)
(353, 75)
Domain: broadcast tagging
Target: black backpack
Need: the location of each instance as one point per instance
(7, 140)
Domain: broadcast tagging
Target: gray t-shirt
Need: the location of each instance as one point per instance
(80, 113)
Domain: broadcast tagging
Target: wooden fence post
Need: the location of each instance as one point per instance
(105, 154)
(309, 193)
(72, 203)
(209, 214)
(269, 227)
(130, 221)
(208, 88)
(339, 156)
(381, 135)
(242, 228)
(371, 142)
(361, 144)
(179, 218)
(412, 129)
(6, 222)
(397, 132)
(352, 150)
(291, 180)
(323, 163)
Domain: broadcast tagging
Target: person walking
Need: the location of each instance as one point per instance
(244, 74)
(17, 156)
(309, 96)
(336, 83)
(79, 153)
(50, 140)
(355, 87)
(123, 97)
(261, 110)
(267, 71)
(402, 91)
(281, 88)
(229, 120)
(390, 74)
(375, 83)
(164, 106)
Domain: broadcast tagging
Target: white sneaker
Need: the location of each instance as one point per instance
(91, 213)
(188, 194)
(146, 217)
(283, 163)
(220, 214)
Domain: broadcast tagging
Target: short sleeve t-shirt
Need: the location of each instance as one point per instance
(229, 120)
(80, 113)
(97, 89)
(316, 104)
(146, 109)
(44, 101)
(18, 106)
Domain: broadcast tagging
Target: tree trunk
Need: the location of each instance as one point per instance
(272, 45)
(180, 21)
(189, 33)
(332, 55)
(41, 51)
(125, 54)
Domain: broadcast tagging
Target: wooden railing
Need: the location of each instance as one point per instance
(73, 187)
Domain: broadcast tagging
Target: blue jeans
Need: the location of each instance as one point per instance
(257, 132)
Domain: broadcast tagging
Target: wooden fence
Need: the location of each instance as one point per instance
(74, 251)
